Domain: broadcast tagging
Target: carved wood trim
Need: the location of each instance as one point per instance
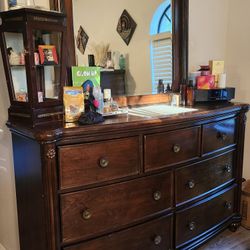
(50, 188)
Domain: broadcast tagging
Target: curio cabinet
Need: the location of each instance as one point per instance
(32, 43)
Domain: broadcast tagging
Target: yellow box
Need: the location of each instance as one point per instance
(216, 68)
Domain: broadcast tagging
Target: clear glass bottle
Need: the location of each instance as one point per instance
(107, 100)
(109, 63)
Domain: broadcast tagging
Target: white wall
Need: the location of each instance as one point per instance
(238, 61)
(9, 239)
(207, 31)
(8, 214)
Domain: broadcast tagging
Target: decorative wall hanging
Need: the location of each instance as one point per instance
(126, 27)
(82, 40)
(100, 53)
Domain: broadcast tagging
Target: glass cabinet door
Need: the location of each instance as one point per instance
(47, 63)
(16, 56)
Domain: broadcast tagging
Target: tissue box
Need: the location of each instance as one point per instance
(216, 68)
(205, 82)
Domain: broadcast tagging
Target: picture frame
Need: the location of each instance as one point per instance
(48, 55)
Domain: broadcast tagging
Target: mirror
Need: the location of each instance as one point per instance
(148, 56)
(156, 21)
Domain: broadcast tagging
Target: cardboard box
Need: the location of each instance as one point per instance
(245, 205)
(205, 82)
(216, 68)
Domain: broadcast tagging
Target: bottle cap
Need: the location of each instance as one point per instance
(190, 83)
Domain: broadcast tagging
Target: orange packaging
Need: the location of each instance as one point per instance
(73, 99)
(206, 82)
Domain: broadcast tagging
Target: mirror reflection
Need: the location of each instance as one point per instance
(135, 49)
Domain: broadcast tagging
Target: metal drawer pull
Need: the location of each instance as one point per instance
(222, 136)
(228, 169)
(176, 148)
(192, 226)
(157, 240)
(191, 184)
(86, 214)
(157, 195)
(228, 205)
(103, 163)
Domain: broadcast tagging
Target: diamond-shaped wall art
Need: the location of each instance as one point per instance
(82, 40)
(126, 27)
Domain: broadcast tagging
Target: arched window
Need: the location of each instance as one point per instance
(161, 45)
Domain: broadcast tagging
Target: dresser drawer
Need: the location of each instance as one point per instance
(165, 149)
(218, 135)
(196, 220)
(194, 180)
(99, 161)
(100, 210)
(152, 235)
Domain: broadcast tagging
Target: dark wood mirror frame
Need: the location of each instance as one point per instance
(180, 37)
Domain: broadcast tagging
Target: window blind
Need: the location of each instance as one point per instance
(161, 59)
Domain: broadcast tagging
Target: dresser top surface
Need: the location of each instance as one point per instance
(128, 122)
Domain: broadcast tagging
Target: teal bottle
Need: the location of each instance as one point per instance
(122, 62)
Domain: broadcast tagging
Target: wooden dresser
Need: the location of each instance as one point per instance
(130, 183)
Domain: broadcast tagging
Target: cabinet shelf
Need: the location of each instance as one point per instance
(17, 66)
(46, 65)
(35, 66)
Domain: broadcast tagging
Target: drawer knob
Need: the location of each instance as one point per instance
(103, 163)
(221, 136)
(157, 240)
(176, 148)
(86, 214)
(191, 184)
(157, 195)
(228, 205)
(228, 169)
(192, 226)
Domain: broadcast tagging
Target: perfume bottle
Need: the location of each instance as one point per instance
(97, 92)
(160, 87)
(190, 94)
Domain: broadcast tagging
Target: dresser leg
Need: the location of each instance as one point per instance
(234, 226)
